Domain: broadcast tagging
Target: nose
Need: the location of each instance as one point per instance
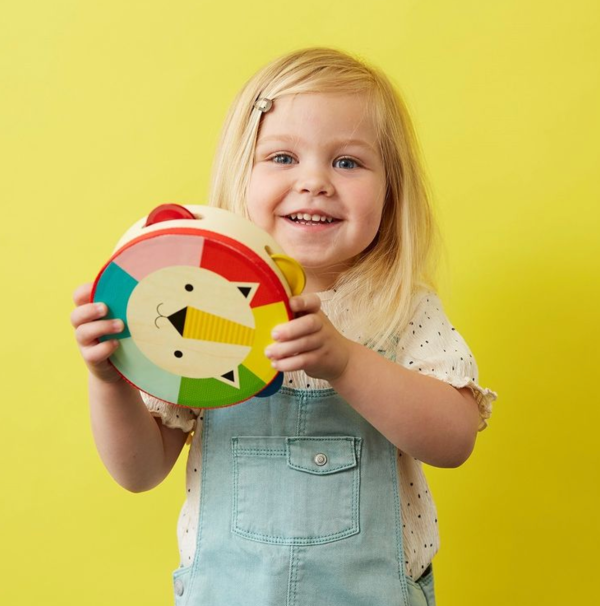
(315, 181)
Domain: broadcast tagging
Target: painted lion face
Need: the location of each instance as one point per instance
(198, 305)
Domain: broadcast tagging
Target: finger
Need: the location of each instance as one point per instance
(305, 325)
(82, 294)
(88, 313)
(279, 351)
(299, 362)
(308, 303)
(99, 353)
(89, 333)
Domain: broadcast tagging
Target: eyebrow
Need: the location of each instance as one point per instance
(296, 139)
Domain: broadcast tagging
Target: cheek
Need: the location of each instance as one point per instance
(255, 198)
(371, 220)
(258, 210)
(261, 189)
(264, 197)
(255, 215)
(372, 231)
(371, 209)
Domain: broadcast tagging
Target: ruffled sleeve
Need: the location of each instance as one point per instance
(433, 347)
(176, 417)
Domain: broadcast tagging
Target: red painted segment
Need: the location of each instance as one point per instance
(237, 263)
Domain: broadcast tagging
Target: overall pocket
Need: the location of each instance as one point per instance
(295, 490)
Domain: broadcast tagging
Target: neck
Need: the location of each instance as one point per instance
(317, 282)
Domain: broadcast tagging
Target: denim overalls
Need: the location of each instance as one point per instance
(300, 506)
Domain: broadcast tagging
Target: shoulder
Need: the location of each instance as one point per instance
(427, 300)
(426, 314)
(430, 333)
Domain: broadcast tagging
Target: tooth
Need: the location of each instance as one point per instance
(315, 218)
(329, 219)
(306, 217)
(323, 219)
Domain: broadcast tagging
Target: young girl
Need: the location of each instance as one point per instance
(315, 495)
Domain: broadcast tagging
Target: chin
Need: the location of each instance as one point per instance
(328, 273)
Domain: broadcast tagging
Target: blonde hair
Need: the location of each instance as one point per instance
(379, 288)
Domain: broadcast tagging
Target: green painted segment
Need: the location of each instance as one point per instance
(210, 393)
(143, 373)
(114, 289)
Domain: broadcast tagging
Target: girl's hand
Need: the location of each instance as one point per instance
(89, 326)
(309, 342)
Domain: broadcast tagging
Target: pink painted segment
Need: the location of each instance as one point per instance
(161, 251)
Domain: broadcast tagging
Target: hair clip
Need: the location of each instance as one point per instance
(263, 104)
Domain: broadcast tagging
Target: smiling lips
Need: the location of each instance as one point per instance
(310, 218)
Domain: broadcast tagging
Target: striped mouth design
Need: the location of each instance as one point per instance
(192, 323)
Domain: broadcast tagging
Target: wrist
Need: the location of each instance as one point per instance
(105, 374)
(341, 377)
(107, 382)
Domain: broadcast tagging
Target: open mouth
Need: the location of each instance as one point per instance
(310, 219)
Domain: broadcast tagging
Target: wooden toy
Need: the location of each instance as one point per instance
(199, 290)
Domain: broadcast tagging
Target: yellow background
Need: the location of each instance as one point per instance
(109, 108)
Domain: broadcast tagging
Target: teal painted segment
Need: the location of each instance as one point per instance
(114, 289)
(143, 373)
(210, 393)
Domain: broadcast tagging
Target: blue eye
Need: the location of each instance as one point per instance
(282, 159)
(345, 163)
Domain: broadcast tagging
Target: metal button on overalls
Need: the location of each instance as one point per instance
(320, 459)
(179, 587)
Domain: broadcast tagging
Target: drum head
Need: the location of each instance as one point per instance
(198, 309)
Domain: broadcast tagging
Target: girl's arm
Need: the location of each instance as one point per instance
(424, 417)
(137, 449)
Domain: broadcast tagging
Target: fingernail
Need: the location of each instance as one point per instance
(118, 325)
(268, 352)
(101, 308)
(275, 334)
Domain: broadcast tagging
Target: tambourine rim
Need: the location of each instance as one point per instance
(191, 232)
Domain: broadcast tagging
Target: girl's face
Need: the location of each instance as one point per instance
(318, 181)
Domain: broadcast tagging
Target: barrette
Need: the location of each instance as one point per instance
(263, 104)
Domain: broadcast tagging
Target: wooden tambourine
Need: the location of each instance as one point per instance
(199, 290)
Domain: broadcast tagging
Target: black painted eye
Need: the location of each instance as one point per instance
(189, 287)
(178, 354)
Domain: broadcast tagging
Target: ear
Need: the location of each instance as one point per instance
(168, 212)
